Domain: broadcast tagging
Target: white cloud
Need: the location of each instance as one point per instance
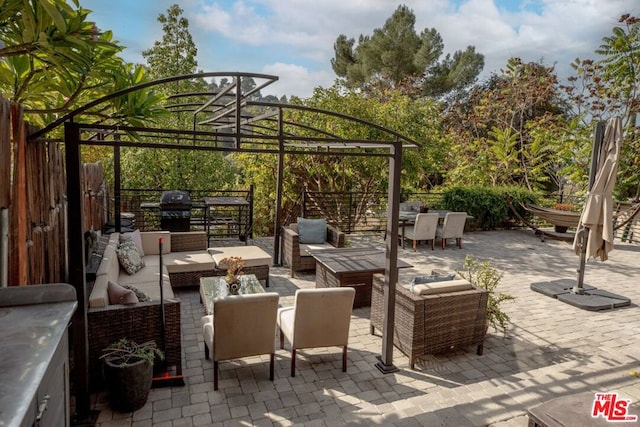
(555, 31)
(295, 80)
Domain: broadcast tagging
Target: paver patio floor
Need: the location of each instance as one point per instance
(551, 349)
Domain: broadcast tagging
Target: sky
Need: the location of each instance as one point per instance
(293, 39)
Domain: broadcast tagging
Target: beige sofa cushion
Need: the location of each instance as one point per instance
(110, 254)
(146, 274)
(152, 289)
(99, 294)
(187, 262)
(252, 256)
(108, 270)
(150, 242)
(442, 287)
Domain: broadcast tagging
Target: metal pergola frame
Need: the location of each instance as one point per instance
(228, 120)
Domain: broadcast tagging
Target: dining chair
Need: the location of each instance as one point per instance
(452, 228)
(424, 228)
(241, 326)
(318, 318)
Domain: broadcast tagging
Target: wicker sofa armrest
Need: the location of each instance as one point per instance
(290, 234)
(184, 241)
(290, 245)
(139, 322)
(335, 237)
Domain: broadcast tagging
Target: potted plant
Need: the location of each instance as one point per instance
(234, 265)
(128, 370)
(482, 275)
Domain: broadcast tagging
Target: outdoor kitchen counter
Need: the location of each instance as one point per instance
(34, 367)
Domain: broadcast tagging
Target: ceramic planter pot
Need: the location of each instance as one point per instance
(128, 385)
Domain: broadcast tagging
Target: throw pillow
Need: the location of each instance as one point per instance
(120, 295)
(312, 230)
(129, 257)
(421, 280)
(142, 297)
(137, 239)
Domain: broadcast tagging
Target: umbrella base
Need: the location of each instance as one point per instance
(594, 300)
(591, 298)
(556, 287)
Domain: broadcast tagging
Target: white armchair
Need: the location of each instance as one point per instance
(318, 318)
(241, 326)
(452, 228)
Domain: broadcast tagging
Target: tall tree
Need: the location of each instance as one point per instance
(396, 56)
(174, 55)
(498, 129)
(610, 87)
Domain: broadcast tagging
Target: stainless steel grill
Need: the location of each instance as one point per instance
(175, 210)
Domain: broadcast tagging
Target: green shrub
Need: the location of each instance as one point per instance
(483, 275)
(487, 205)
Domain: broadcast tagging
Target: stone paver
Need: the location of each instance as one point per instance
(551, 349)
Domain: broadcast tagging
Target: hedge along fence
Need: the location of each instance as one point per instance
(487, 205)
(32, 203)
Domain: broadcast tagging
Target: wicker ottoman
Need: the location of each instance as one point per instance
(431, 324)
(256, 260)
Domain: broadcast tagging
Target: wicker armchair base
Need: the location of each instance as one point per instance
(432, 324)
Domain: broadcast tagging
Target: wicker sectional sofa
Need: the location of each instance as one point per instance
(184, 257)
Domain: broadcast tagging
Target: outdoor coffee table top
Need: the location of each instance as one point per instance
(212, 288)
(347, 260)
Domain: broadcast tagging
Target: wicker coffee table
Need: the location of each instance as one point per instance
(353, 267)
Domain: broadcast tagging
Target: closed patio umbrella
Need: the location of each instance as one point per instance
(594, 237)
(597, 215)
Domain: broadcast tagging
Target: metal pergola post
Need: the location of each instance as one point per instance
(385, 363)
(278, 216)
(77, 270)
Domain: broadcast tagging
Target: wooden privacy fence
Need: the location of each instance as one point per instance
(32, 202)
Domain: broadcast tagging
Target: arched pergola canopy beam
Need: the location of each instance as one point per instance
(159, 82)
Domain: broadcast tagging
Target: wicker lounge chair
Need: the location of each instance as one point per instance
(296, 256)
(432, 324)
